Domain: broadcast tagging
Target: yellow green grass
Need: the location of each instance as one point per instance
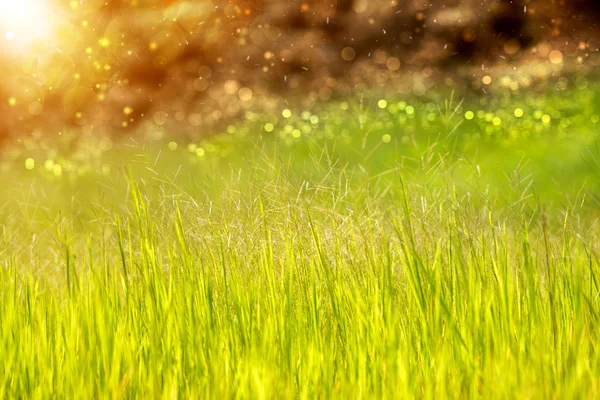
(330, 265)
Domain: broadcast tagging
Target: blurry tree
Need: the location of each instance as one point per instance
(111, 64)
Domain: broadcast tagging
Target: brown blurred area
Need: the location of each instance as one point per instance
(190, 65)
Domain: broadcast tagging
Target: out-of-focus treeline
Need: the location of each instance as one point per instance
(112, 64)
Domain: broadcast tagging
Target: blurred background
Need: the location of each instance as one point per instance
(191, 66)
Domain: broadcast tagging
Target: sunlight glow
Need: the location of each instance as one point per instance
(23, 22)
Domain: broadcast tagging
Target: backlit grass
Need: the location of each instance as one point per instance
(440, 262)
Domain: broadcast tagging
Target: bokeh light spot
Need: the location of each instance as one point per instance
(348, 54)
(245, 94)
(555, 56)
(30, 164)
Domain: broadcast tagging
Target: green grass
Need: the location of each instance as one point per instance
(457, 259)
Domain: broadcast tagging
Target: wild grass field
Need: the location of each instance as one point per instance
(378, 248)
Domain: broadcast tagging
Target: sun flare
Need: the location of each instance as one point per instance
(23, 22)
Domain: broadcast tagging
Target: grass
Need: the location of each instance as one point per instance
(455, 259)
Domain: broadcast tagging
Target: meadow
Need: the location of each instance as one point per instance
(382, 247)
